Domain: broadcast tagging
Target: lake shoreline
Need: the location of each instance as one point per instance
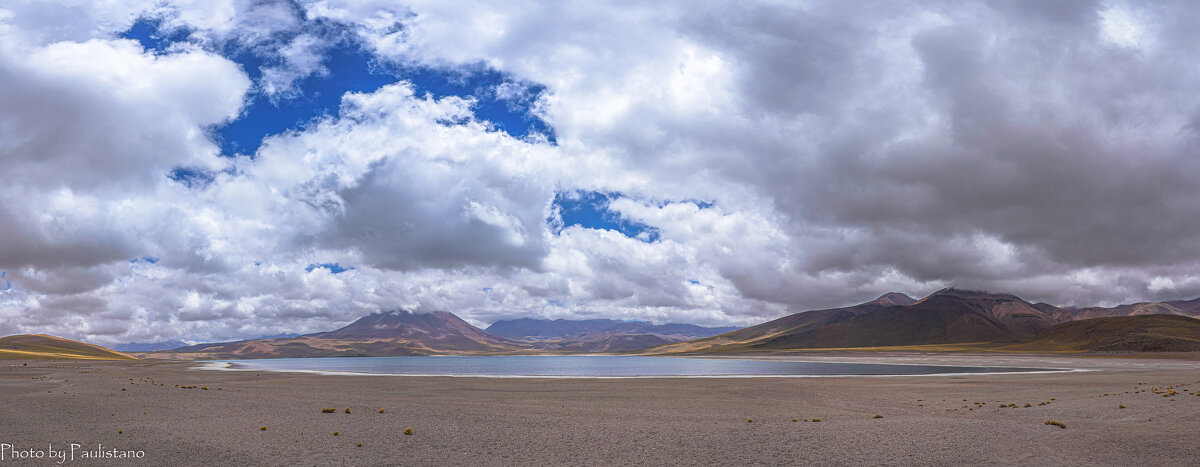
(608, 367)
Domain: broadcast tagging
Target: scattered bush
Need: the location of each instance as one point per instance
(1057, 424)
(1028, 404)
(264, 428)
(360, 445)
(816, 419)
(328, 410)
(749, 420)
(347, 410)
(335, 433)
(380, 410)
(1121, 406)
(878, 416)
(795, 419)
(408, 431)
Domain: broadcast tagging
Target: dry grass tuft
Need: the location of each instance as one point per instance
(1057, 424)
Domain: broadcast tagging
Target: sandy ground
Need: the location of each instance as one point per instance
(137, 406)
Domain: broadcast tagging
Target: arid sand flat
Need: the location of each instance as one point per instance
(181, 416)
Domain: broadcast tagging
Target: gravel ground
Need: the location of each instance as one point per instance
(144, 406)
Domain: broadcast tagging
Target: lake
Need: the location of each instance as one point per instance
(592, 366)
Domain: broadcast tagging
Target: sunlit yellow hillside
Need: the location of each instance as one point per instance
(42, 346)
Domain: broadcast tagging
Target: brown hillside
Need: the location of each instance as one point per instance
(393, 333)
(1138, 333)
(787, 325)
(949, 316)
(42, 346)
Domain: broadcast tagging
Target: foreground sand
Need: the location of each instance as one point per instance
(473, 421)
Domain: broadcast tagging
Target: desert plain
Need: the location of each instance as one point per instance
(177, 414)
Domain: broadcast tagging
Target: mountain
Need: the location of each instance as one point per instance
(597, 335)
(391, 333)
(948, 316)
(149, 346)
(1137, 333)
(1177, 307)
(42, 346)
(795, 323)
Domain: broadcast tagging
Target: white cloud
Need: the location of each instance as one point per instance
(1029, 147)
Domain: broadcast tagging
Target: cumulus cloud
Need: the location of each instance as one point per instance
(831, 152)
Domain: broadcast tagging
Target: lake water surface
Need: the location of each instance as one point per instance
(592, 366)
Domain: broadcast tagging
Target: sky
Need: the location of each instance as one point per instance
(220, 169)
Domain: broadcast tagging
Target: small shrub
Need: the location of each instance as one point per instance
(878, 416)
(1121, 406)
(408, 431)
(360, 445)
(380, 410)
(1028, 404)
(120, 432)
(328, 410)
(264, 428)
(121, 389)
(749, 420)
(795, 419)
(1057, 424)
(816, 419)
(347, 410)
(335, 433)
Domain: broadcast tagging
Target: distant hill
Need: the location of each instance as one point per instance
(791, 324)
(1177, 307)
(149, 346)
(1138, 333)
(597, 335)
(42, 346)
(392, 333)
(948, 316)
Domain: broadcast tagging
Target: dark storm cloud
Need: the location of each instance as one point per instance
(1024, 126)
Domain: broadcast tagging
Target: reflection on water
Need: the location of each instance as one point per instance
(596, 366)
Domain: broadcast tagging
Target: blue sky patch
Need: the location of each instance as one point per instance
(590, 209)
(332, 267)
(192, 177)
(507, 103)
(153, 37)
